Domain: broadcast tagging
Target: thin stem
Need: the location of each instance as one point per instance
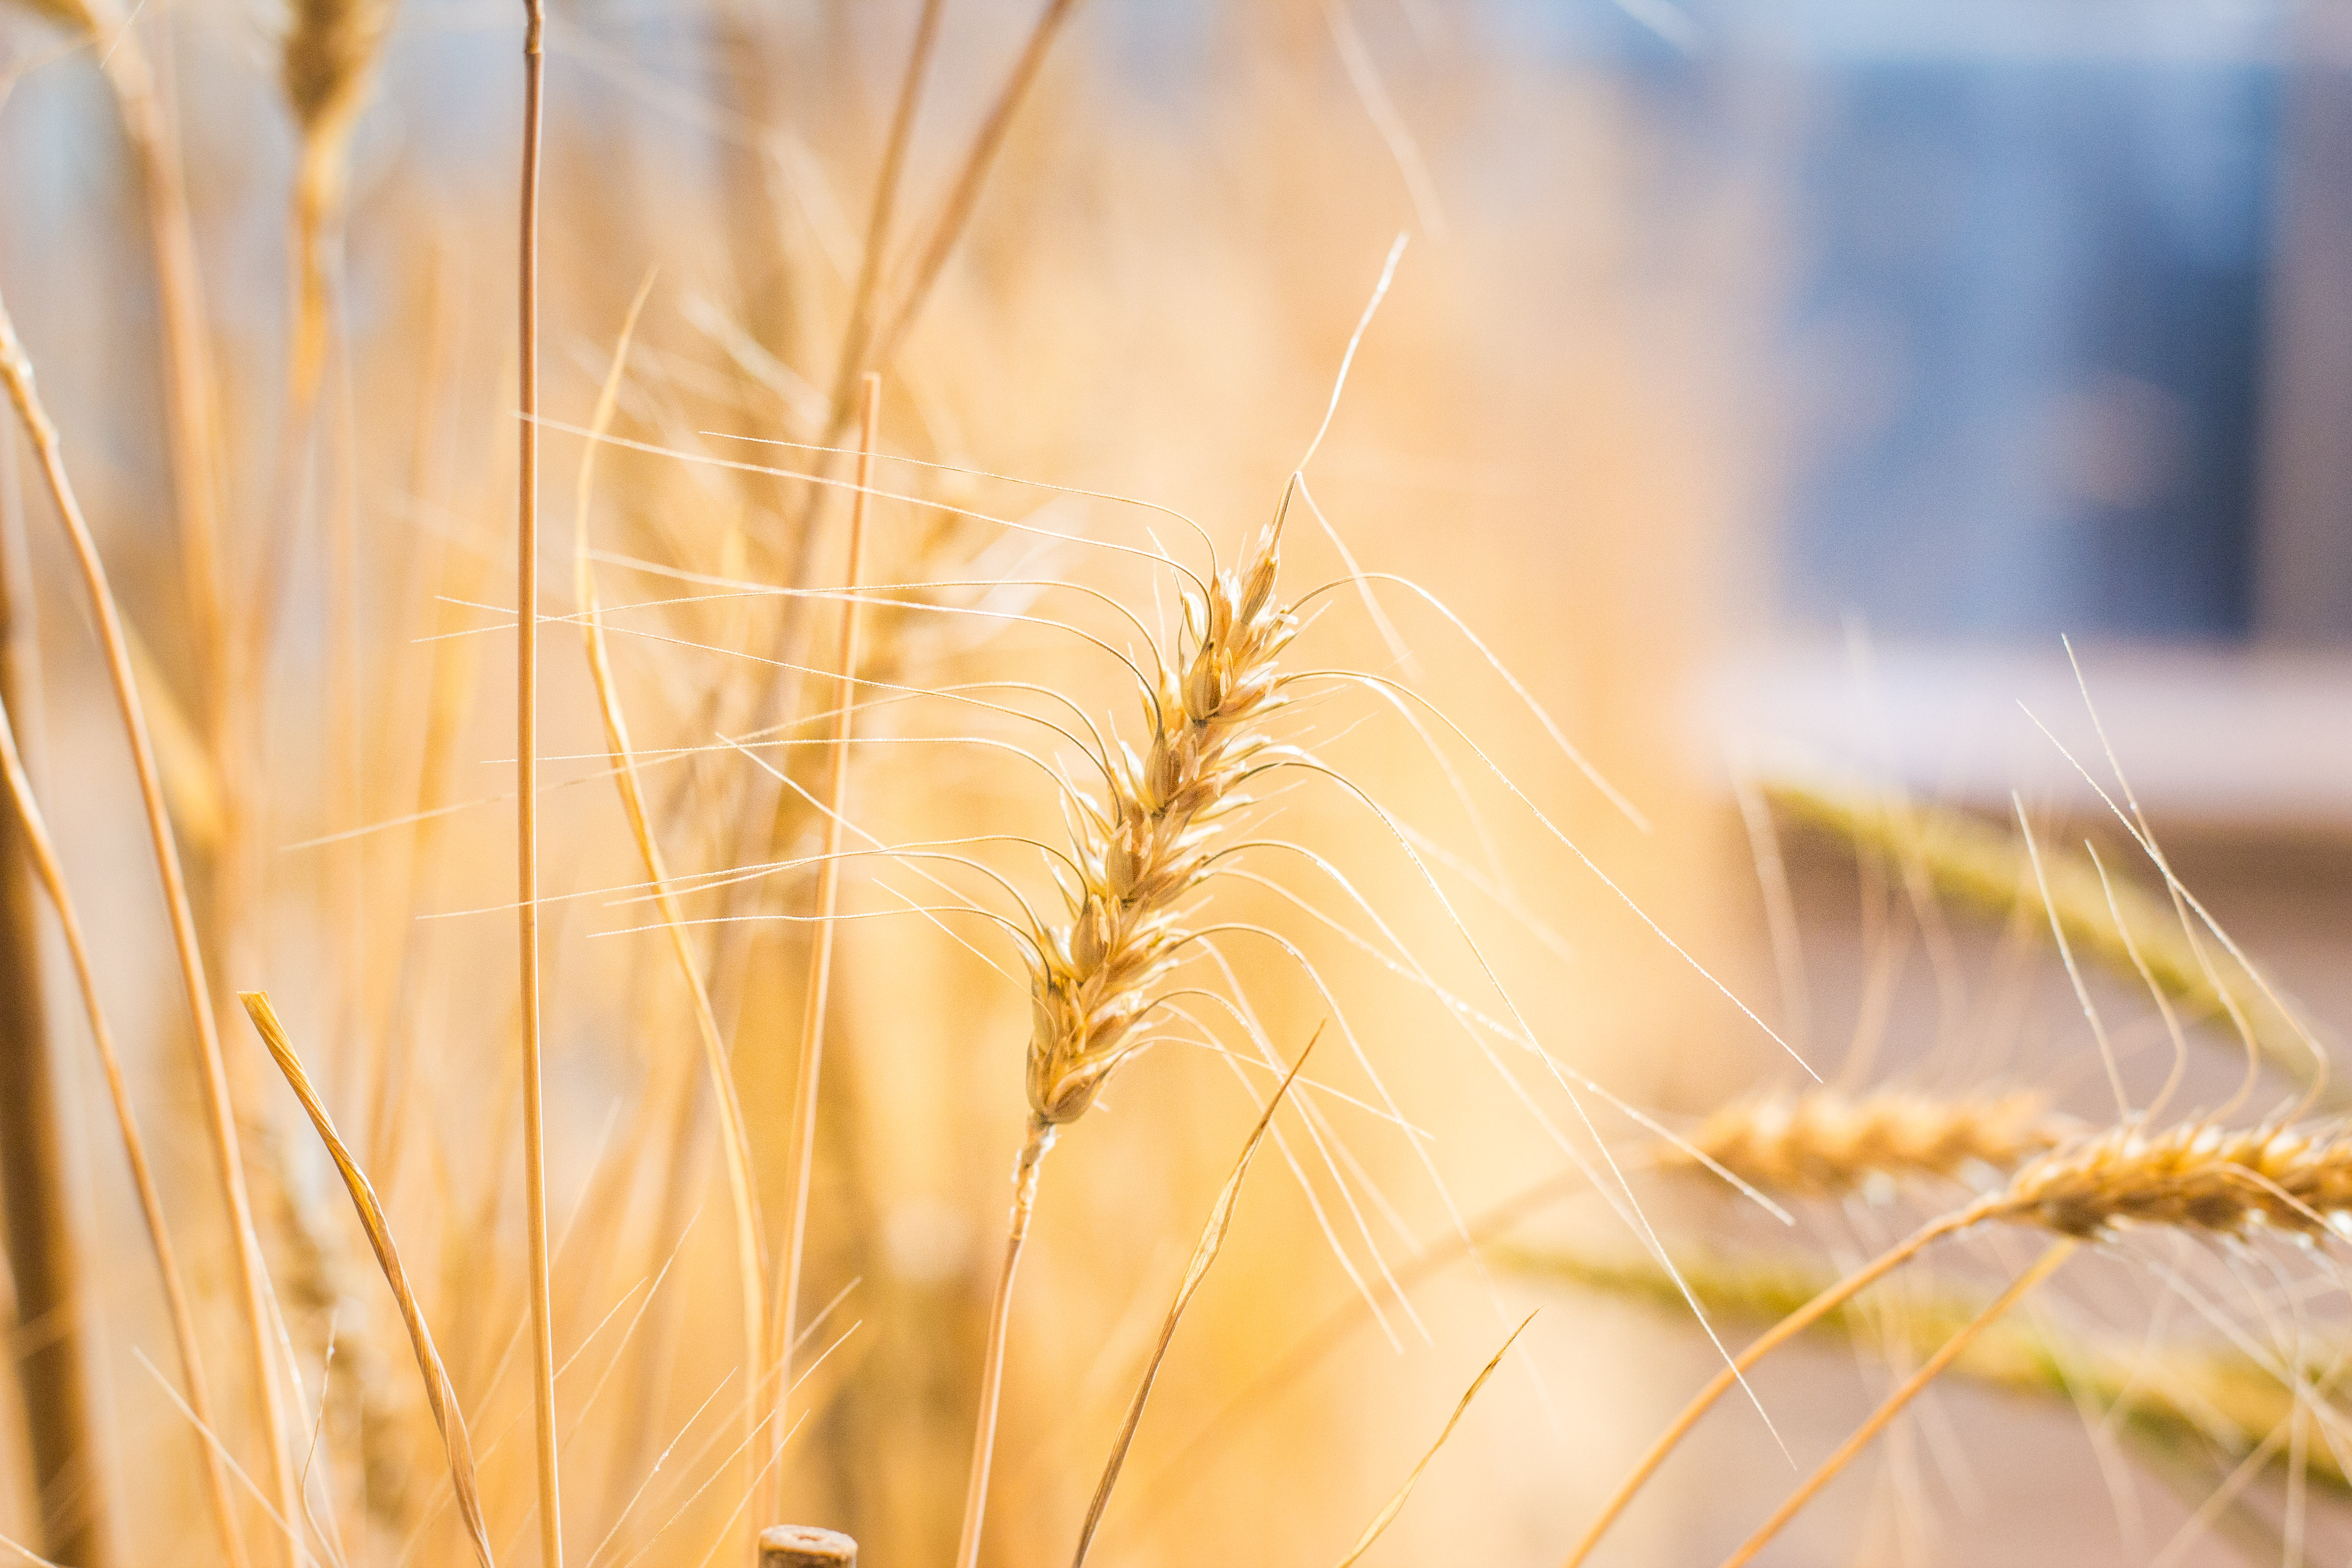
(44, 1252)
(1000, 1315)
(850, 364)
(1780, 1333)
(820, 980)
(534, 1109)
(192, 421)
(742, 1193)
(41, 851)
(2044, 1266)
(220, 1114)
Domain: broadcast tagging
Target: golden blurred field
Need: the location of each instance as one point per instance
(1535, 518)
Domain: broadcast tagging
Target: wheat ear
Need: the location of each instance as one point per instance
(1825, 1144)
(220, 1115)
(439, 1391)
(818, 992)
(534, 1107)
(2122, 926)
(1142, 848)
(2196, 1176)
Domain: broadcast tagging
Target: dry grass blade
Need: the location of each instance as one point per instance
(1933, 1368)
(42, 851)
(1204, 1253)
(220, 1115)
(1396, 1505)
(818, 991)
(2125, 927)
(742, 1193)
(1825, 1144)
(534, 1086)
(439, 1391)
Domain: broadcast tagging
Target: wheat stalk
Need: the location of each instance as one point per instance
(1142, 848)
(742, 1193)
(542, 1307)
(41, 850)
(1826, 1144)
(220, 1114)
(817, 991)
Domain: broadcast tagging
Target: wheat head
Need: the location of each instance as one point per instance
(1146, 845)
(2197, 1176)
(1826, 1144)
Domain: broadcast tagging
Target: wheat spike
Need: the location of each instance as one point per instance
(2196, 1175)
(1826, 1144)
(1142, 849)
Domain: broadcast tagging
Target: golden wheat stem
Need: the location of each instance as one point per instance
(850, 364)
(534, 1108)
(191, 420)
(220, 1115)
(1931, 1369)
(45, 1247)
(742, 1193)
(1780, 1333)
(1000, 1317)
(42, 851)
(820, 977)
(963, 194)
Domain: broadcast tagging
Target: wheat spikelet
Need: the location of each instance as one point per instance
(1826, 1144)
(1142, 849)
(2197, 1176)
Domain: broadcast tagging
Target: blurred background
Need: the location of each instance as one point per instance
(1770, 386)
